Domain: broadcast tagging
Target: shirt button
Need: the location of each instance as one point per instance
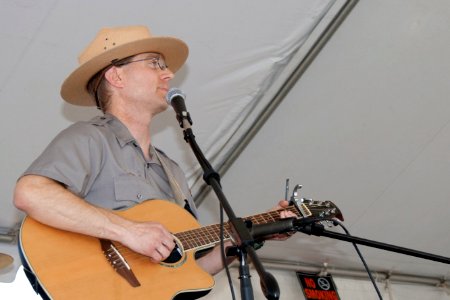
(139, 196)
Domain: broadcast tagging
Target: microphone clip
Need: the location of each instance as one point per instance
(184, 119)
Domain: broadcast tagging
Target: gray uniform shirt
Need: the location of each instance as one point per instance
(100, 161)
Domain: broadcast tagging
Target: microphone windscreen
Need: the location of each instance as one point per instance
(173, 93)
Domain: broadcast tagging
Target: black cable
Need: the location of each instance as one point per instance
(338, 222)
(222, 252)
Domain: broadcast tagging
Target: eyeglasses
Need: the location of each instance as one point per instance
(154, 62)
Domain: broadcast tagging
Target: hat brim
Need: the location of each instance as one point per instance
(74, 88)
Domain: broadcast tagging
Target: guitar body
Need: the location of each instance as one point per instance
(72, 266)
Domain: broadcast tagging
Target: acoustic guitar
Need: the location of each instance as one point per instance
(68, 265)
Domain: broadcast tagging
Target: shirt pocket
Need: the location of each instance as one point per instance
(129, 187)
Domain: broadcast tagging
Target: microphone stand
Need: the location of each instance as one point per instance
(314, 228)
(241, 235)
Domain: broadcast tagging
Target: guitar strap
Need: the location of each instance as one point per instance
(180, 197)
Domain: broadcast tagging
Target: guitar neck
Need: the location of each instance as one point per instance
(209, 236)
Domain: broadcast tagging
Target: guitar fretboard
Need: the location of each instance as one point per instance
(210, 235)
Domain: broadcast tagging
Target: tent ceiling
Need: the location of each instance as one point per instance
(366, 126)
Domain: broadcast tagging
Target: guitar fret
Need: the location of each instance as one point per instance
(265, 218)
(199, 237)
(210, 235)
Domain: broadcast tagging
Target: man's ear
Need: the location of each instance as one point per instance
(112, 75)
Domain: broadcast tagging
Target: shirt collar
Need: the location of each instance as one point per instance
(121, 132)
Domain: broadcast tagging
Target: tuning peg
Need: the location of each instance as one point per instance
(329, 223)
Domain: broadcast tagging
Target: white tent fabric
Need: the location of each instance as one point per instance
(255, 72)
(367, 126)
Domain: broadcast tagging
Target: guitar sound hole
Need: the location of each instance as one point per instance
(175, 256)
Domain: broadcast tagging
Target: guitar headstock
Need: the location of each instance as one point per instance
(308, 208)
(325, 210)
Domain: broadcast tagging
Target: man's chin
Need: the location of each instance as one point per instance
(161, 108)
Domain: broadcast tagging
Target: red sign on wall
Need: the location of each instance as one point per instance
(318, 287)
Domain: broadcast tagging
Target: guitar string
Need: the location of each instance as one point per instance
(192, 235)
(191, 239)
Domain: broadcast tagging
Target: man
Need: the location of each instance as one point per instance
(109, 163)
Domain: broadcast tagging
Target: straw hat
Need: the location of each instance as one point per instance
(118, 43)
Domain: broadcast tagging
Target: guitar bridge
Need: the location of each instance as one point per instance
(118, 262)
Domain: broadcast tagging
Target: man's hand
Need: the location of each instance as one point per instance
(283, 214)
(149, 238)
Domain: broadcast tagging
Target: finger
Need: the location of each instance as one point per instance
(156, 256)
(283, 203)
(285, 214)
(279, 237)
(170, 244)
(290, 214)
(160, 253)
(164, 252)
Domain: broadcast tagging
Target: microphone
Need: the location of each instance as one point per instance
(280, 226)
(284, 226)
(175, 97)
